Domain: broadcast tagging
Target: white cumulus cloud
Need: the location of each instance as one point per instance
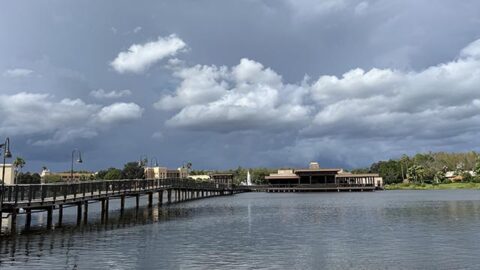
(139, 57)
(49, 121)
(383, 107)
(100, 94)
(17, 72)
(247, 96)
(120, 112)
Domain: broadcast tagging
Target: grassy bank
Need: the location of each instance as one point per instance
(432, 187)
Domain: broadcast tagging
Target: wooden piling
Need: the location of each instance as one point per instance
(85, 212)
(102, 210)
(79, 213)
(150, 199)
(49, 217)
(28, 220)
(107, 202)
(13, 227)
(122, 203)
(160, 198)
(60, 215)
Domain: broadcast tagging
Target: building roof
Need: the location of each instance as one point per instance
(358, 175)
(318, 170)
(278, 176)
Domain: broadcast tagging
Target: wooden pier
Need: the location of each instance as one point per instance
(30, 199)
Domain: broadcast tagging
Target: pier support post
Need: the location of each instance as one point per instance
(107, 202)
(160, 198)
(49, 217)
(28, 220)
(150, 199)
(79, 213)
(169, 196)
(13, 227)
(102, 209)
(137, 201)
(122, 203)
(85, 212)
(60, 215)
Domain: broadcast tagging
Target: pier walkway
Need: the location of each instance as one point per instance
(29, 199)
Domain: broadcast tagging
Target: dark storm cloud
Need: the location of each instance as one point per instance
(421, 96)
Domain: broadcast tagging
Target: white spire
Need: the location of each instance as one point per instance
(249, 180)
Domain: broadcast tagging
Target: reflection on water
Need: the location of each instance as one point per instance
(381, 230)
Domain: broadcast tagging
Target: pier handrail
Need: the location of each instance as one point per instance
(27, 193)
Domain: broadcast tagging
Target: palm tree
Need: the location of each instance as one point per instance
(18, 163)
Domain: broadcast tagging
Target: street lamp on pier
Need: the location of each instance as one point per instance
(143, 161)
(6, 154)
(79, 160)
(154, 164)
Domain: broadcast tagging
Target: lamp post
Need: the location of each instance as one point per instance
(79, 160)
(143, 161)
(6, 154)
(154, 164)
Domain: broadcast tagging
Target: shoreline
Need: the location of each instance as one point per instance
(449, 186)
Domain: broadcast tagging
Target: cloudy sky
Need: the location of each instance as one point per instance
(238, 83)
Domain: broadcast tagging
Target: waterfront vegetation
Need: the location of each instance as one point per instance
(421, 171)
(424, 169)
(444, 186)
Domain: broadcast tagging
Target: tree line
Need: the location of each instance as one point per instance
(428, 167)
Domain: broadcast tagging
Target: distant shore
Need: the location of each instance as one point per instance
(432, 187)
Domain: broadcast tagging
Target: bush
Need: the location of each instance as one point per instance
(476, 179)
(52, 178)
(466, 177)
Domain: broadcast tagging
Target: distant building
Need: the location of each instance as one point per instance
(200, 177)
(454, 176)
(315, 175)
(66, 176)
(165, 173)
(156, 172)
(222, 178)
(9, 173)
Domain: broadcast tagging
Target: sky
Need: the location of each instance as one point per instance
(252, 83)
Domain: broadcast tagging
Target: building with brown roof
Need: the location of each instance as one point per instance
(316, 176)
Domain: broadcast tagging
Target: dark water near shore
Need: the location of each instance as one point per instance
(380, 230)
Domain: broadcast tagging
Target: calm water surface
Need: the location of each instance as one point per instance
(380, 230)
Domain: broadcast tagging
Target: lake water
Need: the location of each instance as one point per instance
(379, 230)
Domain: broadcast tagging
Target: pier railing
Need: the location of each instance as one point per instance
(329, 185)
(71, 191)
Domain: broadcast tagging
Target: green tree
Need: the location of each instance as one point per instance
(439, 177)
(132, 170)
(113, 174)
(416, 174)
(28, 178)
(52, 178)
(477, 168)
(390, 171)
(18, 164)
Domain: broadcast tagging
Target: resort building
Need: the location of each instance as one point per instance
(316, 176)
(222, 178)
(165, 173)
(200, 177)
(66, 176)
(9, 174)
